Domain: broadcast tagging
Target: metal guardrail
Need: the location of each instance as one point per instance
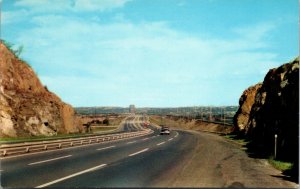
(216, 122)
(27, 147)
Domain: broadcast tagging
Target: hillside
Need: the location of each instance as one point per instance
(191, 124)
(273, 108)
(27, 108)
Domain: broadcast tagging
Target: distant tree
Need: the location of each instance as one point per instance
(88, 127)
(106, 121)
(7, 44)
(19, 50)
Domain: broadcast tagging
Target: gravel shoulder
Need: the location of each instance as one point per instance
(217, 162)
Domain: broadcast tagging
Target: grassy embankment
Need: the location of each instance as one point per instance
(113, 125)
(40, 138)
(163, 121)
(280, 165)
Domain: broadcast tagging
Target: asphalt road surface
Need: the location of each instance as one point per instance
(132, 123)
(181, 159)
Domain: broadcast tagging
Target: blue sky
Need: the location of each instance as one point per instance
(153, 53)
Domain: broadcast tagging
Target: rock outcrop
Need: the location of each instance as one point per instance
(241, 118)
(27, 108)
(273, 108)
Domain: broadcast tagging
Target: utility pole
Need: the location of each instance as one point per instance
(224, 116)
(210, 114)
(201, 109)
(275, 147)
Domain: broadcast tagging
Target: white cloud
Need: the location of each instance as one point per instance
(98, 5)
(255, 32)
(70, 5)
(124, 60)
(45, 5)
(9, 17)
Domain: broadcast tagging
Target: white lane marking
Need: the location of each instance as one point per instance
(144, 150)
(70, 176)
(131, 142)
(160, 143)
(170, 139)
(49, 160)
(145, 138)
(176, 134)
(106, 148)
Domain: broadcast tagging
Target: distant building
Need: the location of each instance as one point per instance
(131, 108)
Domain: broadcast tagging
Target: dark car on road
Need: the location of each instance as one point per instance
(165, 130)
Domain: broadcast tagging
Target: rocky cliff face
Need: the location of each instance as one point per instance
(241, 118)
(27, 108)
(273, 108)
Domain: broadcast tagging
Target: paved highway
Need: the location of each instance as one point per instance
(181, 159)
(132, 123)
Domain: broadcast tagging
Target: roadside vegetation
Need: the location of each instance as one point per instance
(94, 131)
(15, 50)
(280, 165)
(40, 138)
(235, 138)
(103, 128)
(277, 164)
(117, 121)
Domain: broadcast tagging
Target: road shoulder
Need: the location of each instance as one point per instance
(216, 162)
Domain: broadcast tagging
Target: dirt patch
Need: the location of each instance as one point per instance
(191, 124)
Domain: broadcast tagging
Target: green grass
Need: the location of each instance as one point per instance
(40, 138)
(99, 129)
(280, 165)
(116, 121)
(234, 138)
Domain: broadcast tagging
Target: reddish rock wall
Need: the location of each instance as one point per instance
(27, 108)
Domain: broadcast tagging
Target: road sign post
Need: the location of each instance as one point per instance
(275, 147)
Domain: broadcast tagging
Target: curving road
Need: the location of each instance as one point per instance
(181, 159)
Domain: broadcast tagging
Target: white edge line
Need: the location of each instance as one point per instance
(144, 150)
(170, 139)
(160, 143)
(105, 148)
(145, 138)
(39, 162)
(70, 176)
(176, 134)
